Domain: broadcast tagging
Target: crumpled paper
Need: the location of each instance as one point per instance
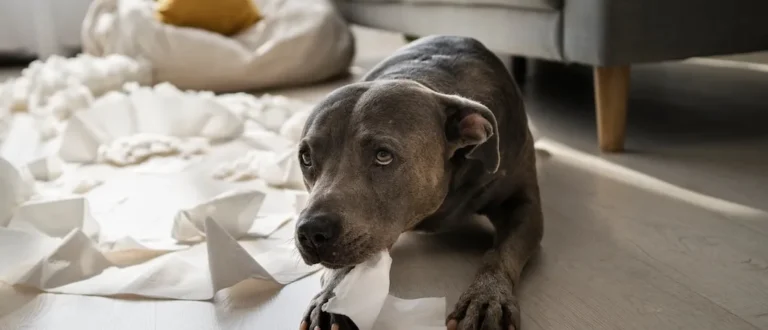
(362, 295)
(161, 110)
(73, 265)
(276, 169)
(14, 190)
(56, 218)
(22, 143)
(73, 255)
(175, 235)
(40, 83)
(46, 168)
(270, 111)
(275, 159)
(135, 149)
(241, 215)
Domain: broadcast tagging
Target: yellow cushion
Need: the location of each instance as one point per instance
(226, 17)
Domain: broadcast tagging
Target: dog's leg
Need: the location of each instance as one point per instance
(314, 317)
(490, 302)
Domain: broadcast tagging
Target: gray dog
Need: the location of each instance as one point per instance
(430, 137)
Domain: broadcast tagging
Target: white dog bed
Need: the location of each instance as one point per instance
(297, 42)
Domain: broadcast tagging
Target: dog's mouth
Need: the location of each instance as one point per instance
(332, 265)
(309, 259)
(313, 259)
(336, 258)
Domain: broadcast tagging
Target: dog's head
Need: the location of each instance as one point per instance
(377, 157)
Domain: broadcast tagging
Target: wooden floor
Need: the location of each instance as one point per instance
(672, 234)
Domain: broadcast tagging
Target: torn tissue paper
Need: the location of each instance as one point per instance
(273, 111)
(70, 255)
(70, 213)
(276, 169)
(362, 295)
(40, 84)
(160, 111)
(47, 168)
(135, 149)
(292, 128)
(73, 265)
(14, 190)
(236, 212)
(240, 214)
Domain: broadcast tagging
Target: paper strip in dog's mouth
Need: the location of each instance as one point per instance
(363, 296)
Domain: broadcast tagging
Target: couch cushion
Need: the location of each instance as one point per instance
(505, 30)
(522, 4)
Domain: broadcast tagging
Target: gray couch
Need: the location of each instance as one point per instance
(609, 35)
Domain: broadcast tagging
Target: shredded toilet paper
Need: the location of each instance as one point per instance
(76, 219)
(102, 244)
(46, 168)
(64, 82)
(14, 190)
(363, 296)
(134, 122)
(137, 148)
(278, 170)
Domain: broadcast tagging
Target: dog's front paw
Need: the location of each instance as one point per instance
(316, 319)
(489, 304)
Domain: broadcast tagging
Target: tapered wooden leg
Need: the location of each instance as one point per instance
(611, 94)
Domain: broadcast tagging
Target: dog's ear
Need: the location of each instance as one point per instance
(471, 125)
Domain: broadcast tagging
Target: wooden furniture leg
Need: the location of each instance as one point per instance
(611, 94)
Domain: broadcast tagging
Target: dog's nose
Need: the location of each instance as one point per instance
(318, 231)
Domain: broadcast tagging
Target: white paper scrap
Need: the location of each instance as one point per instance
(56, 218)
(53, 262)
(283, 171)
(22, 143)
(262, 139)
(21, 250)
(73, 265)
(231, 263)
(280, 170)
(363, 296)
(180, 275)
(293, 127)
(235, 212)
(412, 314)
(13, 190)
(137, 148)
(162, 110)
(46, 168)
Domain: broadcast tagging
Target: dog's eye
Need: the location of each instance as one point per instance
(305, 158)
(383, 157)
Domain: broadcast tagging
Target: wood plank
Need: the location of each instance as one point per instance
(719, 260)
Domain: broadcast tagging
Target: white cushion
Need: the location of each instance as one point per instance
(297, 42)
